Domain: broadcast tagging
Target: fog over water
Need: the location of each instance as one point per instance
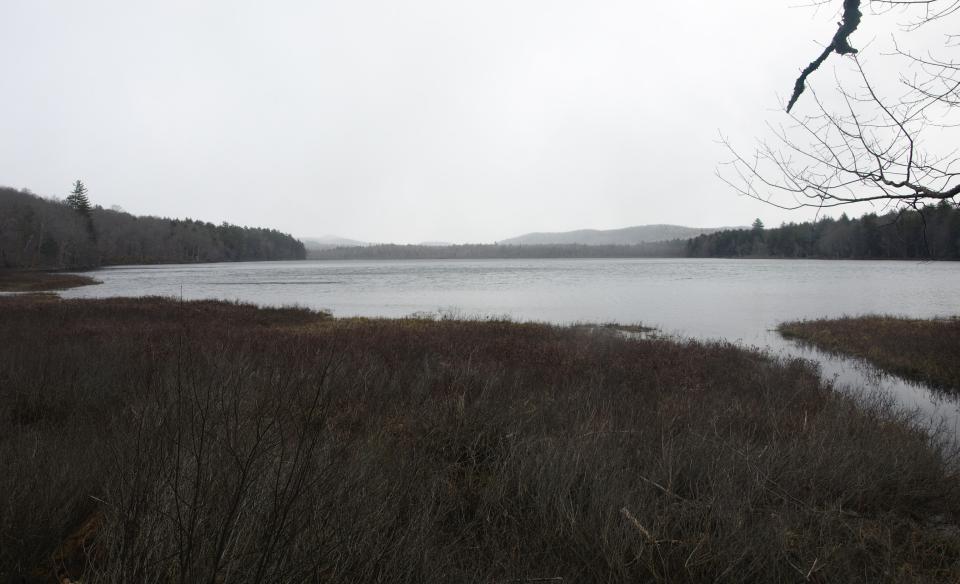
(740, 301)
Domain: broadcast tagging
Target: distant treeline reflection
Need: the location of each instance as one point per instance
(44, 233)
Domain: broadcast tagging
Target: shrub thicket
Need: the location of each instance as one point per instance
(146, 440)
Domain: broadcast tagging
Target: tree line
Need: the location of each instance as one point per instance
(674, 248)
(38, 232)
(931, 232)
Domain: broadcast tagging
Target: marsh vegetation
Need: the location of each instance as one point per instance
(924, 350)
(41, 281)
(152, 440)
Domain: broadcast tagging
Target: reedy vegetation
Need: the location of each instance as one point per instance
(146, 440)
(926, 350)
(39, 281)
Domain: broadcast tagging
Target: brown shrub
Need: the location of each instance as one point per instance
(923, 350)
(41, 281)
(221, 442)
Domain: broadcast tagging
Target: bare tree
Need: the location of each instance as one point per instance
(878, 136)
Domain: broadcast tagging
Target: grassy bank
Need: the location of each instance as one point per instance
(41, 281)
(145, 440)
(922, 350)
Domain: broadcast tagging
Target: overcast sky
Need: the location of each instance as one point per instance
(401, 120)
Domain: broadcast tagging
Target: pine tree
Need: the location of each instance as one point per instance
(78, 199)
(757, 225)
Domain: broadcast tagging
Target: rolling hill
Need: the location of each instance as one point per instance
(625, 236)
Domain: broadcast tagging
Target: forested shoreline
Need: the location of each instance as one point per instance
(930, 233)
(933, 233)
(40, 233)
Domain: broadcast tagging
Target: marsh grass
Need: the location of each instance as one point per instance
(924, 350)
(630, 328)
(149, 440)
(41, 281)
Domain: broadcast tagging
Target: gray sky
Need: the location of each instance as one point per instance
(400, 120)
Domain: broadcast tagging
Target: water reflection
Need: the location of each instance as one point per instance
(933, 408)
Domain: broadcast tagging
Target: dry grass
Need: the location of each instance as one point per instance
(40, 281)
(923, 350)
(146, 440)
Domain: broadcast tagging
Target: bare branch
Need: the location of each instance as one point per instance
(863, 144)
(840, 44)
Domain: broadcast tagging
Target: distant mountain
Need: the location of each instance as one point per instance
(660, 249)
(625, 236)
(330, 242)
(435, 243)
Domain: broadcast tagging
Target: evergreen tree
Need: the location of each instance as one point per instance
(757, 224)
(77, 199)
(930, 232)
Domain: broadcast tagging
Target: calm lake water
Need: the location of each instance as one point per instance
(736, 300)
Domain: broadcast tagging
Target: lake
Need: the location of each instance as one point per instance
(736, 300)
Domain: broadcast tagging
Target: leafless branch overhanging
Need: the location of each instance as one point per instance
(840, 43)
(865, 142)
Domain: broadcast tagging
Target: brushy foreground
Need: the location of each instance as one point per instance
(923, 350)
(41, 281)
(146, 440)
